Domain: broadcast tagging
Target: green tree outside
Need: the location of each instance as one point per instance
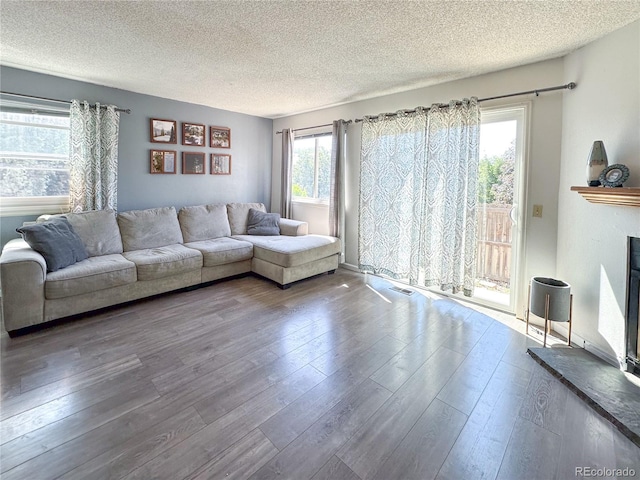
(496, 177)
(304, 164)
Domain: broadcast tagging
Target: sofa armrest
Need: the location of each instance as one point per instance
(23, 272)
(293, 228)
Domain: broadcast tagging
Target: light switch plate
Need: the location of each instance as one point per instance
(537, 211)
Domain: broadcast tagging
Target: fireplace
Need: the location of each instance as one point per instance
(633, 305)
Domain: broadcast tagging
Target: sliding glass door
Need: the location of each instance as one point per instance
(500, 203)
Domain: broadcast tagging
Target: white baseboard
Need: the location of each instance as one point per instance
(578, 341)
(348, 266)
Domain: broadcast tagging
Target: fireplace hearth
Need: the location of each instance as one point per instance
(633, 305)
(602, 386)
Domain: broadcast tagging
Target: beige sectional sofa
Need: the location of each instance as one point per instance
(141, 253)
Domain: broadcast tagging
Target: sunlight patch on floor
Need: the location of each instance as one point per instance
(536, 332)
(378, 293)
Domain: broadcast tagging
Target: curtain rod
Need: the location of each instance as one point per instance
(568, 86)
(124, 110)
(316, 126)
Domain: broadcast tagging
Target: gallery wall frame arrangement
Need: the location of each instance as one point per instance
(163, 131)
(193, 163)
(220, 137)
(220, 164)
(193, 134)
(163, 161)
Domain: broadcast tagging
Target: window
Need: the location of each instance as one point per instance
(311, 168)
(34, 160)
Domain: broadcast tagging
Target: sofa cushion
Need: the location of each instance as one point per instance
(56, 241)
(143, 229)
(164, 261)
(90, 275)
(204, 222)
(98, 230)
(291, 251)
(220, 251)
(238, 215)
(261, 223)
(293, 227)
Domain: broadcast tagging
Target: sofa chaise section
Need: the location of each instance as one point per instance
(291, 256)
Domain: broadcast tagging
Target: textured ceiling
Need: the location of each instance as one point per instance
(275, 58)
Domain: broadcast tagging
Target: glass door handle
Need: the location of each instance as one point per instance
(512, 214)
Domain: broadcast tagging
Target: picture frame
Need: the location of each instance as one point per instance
(163, 131)
(220, 164)
(193, 134)
(163, 161)
(614, 175)
(219, 137)
(193, 163)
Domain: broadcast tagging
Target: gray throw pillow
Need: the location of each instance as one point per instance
(260, 223)
(56, 241)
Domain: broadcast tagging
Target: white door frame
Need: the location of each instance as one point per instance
(520, 112)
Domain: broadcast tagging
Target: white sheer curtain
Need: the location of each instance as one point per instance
(93, 157)
(418, 195)
(449, 233)
(391, 194)
(285, 185)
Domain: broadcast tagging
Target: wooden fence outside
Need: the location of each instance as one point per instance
(494, 243)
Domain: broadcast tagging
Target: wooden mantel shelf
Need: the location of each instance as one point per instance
(629, 196)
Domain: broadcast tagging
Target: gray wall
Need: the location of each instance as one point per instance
(251, 147)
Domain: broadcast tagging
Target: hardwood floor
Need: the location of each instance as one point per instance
(338, 377)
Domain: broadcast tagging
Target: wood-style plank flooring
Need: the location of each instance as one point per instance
(338, 377)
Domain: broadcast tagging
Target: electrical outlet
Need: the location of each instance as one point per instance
(537, 211)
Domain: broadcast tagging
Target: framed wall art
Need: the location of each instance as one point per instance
(193, 134)
(614, 175)
(193, 162)
(163, 161)
(163, 131)
(220, 164)
(220, 137)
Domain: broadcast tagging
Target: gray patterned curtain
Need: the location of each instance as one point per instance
(337, 193)
(418, 195)
(93, 157)
(285, 185)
